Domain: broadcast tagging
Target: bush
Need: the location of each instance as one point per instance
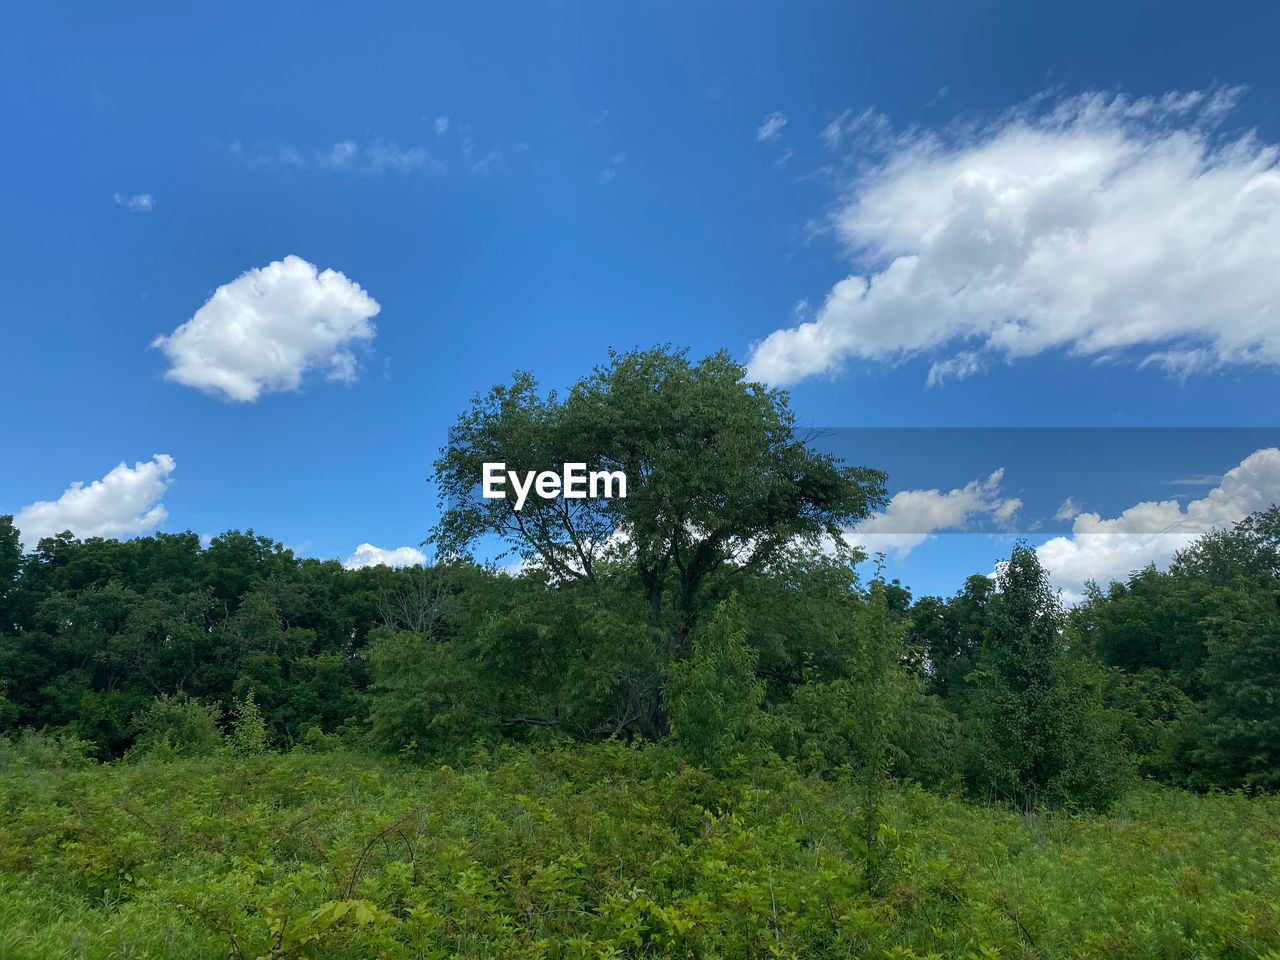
(44, 748)
(179, 726)
(423, 697)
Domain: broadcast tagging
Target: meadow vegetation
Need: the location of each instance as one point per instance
(589, 851)
(683, 726)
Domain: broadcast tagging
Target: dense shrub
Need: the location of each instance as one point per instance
(43, 748)
(179, 726)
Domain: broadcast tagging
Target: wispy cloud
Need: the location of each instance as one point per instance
(1069, 510)
(610, 173)
(771, 127)
(964, 364)
(453, 149)
(345, 156)
(937, 97)
(134, 203)
(1195, 480)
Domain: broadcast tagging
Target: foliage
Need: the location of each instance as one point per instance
(423, 702)
(715, 698)
(720, 486)
(605, 851)
(43, 748)
(1241, 741)
(248, 729)
(950, 634)
(1199, 647)
(179, 726)
(1037, 730)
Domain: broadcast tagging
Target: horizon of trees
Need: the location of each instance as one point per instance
(717, 623)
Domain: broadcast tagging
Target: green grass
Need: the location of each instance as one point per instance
(605, 852)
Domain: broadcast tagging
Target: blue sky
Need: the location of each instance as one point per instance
(525, 186)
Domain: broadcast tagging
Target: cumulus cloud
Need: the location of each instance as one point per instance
(367, 555)
(1104, 225)
(442, 125)
(263, 331)
(124, 503)
(912, 516)
(137, 203)
(1153, 531)
(771, 127)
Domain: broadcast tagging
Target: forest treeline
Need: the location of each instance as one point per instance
(709, 609)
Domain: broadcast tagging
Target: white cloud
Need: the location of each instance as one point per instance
(138, 203)
(284, 155)
(442, 125)
(346, 156)
(771, 127)
(262, 331)
(488, 162)
(912, 516)
(378, 156)
(964, 364)
(1068, 511)
(124, 503)
(1103, 225)
(610, 173)
(340, 155)
(1153, 531)
(848, 125)
(367, 555)
(1196, 480)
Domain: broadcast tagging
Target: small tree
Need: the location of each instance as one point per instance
(248, 728)
(715, 697)
(1037, 729)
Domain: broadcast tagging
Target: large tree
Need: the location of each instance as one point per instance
(719, 485)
